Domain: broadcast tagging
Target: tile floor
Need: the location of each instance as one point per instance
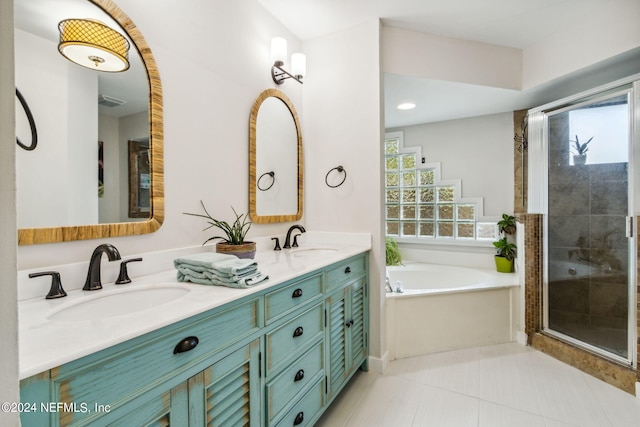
(502, 385)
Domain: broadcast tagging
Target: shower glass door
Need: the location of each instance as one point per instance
(588, 271)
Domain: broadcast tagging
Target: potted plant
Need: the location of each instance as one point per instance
(393, 256)
(233, 242)
(507, 224)
(580, 153)
(505, 250)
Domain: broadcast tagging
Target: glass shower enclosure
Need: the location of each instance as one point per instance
(589, 297)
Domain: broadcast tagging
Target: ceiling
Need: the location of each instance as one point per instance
(511, 23)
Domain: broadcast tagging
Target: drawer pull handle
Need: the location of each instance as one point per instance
(347, 270)
(189, 343)
(299, 375)
(297, 293)
(298, 331)
(299, 419)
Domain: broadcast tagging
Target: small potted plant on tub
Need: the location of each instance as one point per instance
(505, 250)
(233, 239)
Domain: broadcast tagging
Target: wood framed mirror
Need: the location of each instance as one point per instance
(69, 229)
(275, 160)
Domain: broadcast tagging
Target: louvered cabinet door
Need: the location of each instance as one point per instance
(228, 392)
(337, 339)
(358, 320)
(347, 332)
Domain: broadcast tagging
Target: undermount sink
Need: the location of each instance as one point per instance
(313, 251)
(107, 304)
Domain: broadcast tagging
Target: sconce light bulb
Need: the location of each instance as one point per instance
(278, 50)
(298, 64)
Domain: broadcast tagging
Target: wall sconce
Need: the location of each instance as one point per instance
(93, 45)
(278, 56)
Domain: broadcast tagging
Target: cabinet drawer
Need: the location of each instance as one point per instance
(305, 411)
(346, 271)
(292, 296)
(286, 386)
(118, 374)
(290, 338)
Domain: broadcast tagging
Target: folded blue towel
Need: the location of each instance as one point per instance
(225, 264)
(212, 274)
(211, 268)
(206, 278)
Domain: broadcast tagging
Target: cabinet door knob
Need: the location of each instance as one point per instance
(299, 375)
(297, 293)
(347, 270)
(349, 323)
(299, 419)
(187, 344)
(298, 331)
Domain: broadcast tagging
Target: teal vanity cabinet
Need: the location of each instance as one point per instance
(276, 357)
(348, 323)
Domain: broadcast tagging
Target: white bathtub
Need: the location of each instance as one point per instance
(448, 307)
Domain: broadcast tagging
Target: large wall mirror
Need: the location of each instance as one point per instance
(76, 183)
(275, 160)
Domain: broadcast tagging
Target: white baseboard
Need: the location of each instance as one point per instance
(379, 365)
(521, 338)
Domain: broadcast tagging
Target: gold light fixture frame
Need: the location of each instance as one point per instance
(94, 45)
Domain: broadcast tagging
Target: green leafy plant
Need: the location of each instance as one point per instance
(393, 256)
(507, 224)
(505, 249)
(234, 233)
(581, 149)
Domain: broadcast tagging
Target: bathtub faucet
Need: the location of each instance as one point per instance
(399, 289)
(388, 287)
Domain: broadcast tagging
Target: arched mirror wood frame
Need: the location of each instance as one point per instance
(253, 178)
(29, 236)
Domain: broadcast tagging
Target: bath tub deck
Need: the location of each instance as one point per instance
(448, 307)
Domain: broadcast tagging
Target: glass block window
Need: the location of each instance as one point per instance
(416, 206)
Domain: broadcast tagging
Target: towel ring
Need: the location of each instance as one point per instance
(32, 124)
(339, 169)
(273, 180)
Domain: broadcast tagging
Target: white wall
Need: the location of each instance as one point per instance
(343, 127)
(610, 29)
(477, 150)
(9, 388)
(109, 204)
(410, 53)
(82, 150)
(68, 194)
(48, 156)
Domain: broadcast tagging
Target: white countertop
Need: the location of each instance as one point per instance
(46, 343)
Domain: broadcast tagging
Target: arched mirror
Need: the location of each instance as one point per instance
(77, 183)
(275, 160)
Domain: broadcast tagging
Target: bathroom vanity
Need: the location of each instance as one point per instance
(272, 355)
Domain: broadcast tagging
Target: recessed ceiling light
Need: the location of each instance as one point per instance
(407, 106)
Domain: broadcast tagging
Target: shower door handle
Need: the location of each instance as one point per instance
(629, 226)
